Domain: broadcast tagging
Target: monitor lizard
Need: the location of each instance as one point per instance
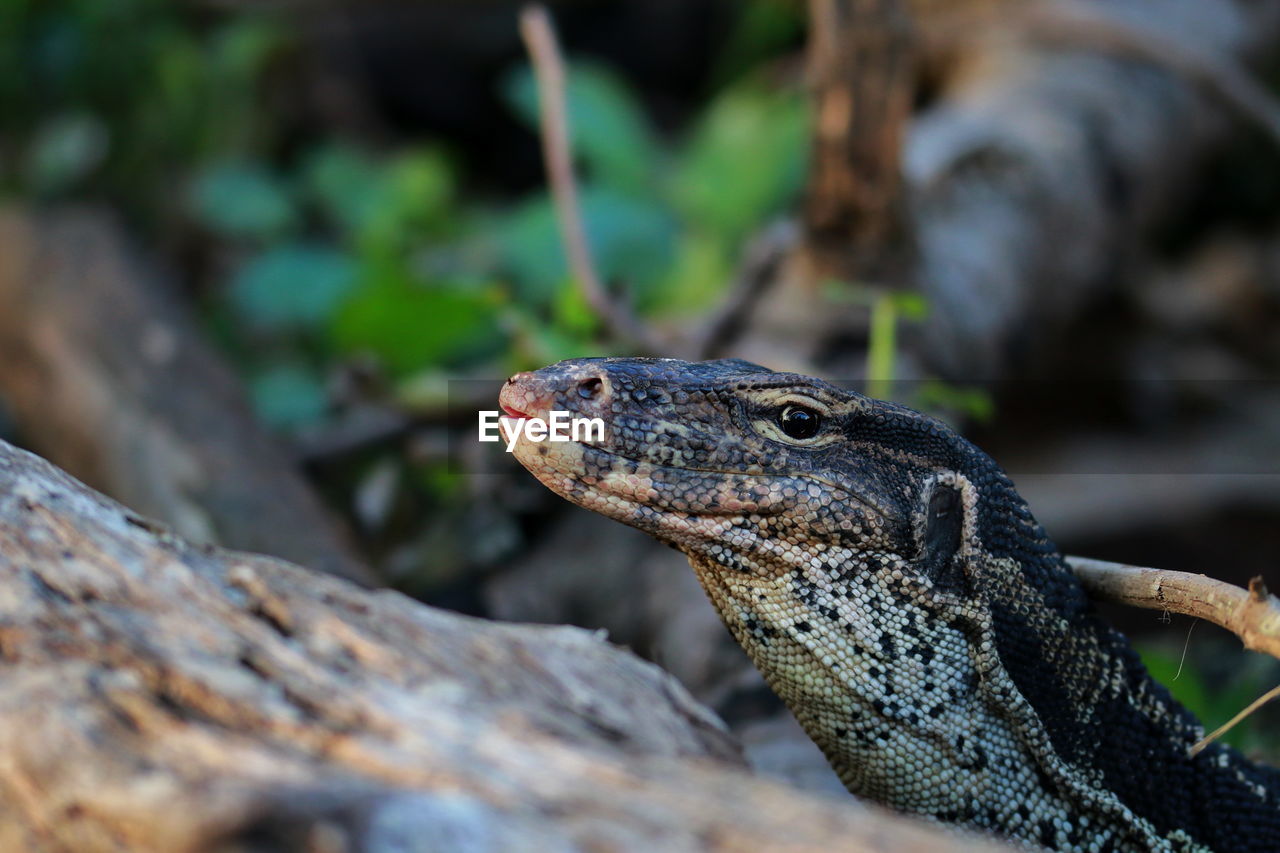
(897, 593)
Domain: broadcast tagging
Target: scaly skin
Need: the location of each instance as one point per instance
(898, 595)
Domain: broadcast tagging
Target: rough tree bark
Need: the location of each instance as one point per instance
(861, 73)
(165, 696)
(106, 375)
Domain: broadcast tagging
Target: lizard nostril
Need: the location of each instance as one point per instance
(589, 388)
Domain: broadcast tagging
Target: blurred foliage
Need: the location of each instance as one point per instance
(334, 248)
(314, 250)
(327, 248)
(355, 252)
(882, 348)
(889, 310)
(121, 98)
(1215, 694)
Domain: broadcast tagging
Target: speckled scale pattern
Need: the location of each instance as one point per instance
(948, 665)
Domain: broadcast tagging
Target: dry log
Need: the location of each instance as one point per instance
(108, 377)
(165, 696)
(1043, 159)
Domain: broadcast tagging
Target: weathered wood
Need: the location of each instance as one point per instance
(164, 696)
(1042, 160)
(107, 376)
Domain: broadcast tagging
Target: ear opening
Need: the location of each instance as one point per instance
(941, 533)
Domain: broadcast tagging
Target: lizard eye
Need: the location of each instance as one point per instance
(798, 422)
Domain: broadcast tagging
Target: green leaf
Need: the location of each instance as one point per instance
(571, 311)
(610, 132)
(535, 344)
(762, 29)
(242, 47)
(65, 150)
(632, 241)
(698, 275)
(292, 287)
(744, 162)
(911, 305)
(288, 396)
(410, 326)
(381, 204)
(344, 182)
(970, 403)
(243, 200)
(417, 194)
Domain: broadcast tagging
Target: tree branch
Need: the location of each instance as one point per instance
(1253, 615)
(557, 150)
(861, 70)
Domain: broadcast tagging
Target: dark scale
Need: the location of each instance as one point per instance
(874, 538)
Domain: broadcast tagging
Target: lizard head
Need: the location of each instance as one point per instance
(730, 461)
(829, 530)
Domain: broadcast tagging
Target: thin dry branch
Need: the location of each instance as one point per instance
(557, 150)
(1221, 730)
(1253, 615)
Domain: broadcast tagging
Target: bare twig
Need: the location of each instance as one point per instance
(764, 256)
(1252, 615)
(548, 67)
(1230, 724)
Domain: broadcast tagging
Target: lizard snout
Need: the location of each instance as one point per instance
(577, 388)
(526, 395)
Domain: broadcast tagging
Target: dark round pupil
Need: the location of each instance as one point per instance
(799, 423)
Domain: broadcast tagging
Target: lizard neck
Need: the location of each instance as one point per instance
(1108, 721)
(922, 713)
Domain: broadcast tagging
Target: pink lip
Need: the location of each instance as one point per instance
(513, 413)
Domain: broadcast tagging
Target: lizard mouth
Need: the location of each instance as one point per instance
(523, 399)
(573, 464)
